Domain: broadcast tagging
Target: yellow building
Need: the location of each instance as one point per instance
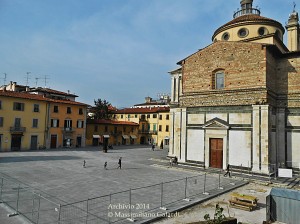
(111, 132)
(153, 123)
(40, 118)
(22, 121)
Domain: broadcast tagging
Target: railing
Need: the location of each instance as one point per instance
(67, 129)
(246, 12)
(148, 132)
(17, 129)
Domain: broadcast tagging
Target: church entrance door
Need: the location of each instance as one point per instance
(216, 152)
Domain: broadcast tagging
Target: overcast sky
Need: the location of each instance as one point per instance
(118, 50)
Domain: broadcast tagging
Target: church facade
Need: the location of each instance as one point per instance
(237, 101)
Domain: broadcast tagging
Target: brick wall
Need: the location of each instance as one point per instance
(244, 65)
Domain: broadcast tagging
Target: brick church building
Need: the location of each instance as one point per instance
(237, 100)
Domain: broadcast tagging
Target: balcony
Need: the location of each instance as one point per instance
(67, 129)
(17, 129)
(148, 132)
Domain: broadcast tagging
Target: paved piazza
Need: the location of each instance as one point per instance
(60, 176)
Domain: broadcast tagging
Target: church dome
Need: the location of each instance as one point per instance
(247, 24)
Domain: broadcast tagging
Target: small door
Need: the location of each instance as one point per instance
(78, 141)
(216, 152)
(34, 142)
(53, 141)
(16, 142)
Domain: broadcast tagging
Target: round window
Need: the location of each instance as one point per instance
(225, 36)
(262, 31)
(243, 32)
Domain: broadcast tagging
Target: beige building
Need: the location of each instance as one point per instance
(104, 132)
(153, 118)
(237, 101)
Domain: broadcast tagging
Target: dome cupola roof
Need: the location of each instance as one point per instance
(246, 16)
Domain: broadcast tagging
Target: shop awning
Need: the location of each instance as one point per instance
(96, 136)
(167, 137)
(105, 136)
(133, 136)
(125, 136)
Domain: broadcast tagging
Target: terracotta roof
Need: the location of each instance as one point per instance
(249, 19)
(142, 110)
(114, 122)
(29, 96)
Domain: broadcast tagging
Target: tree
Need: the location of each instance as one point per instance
(102, 109)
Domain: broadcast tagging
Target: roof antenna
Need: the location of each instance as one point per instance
(294, 10)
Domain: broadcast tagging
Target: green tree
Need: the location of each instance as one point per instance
(102, 109)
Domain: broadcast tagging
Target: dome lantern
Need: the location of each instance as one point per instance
(246, 9)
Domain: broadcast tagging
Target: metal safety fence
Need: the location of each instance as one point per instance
(121, 207)
(26, 202)
(143, 202)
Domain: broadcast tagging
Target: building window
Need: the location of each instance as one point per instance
(80, 111)
(167, 128)
(122, 116)
(18, 106)
(262, 31)
(167, 117)
(55, 109)
(219, 80)
(159, 128)
(143, 117)
(1, 121)
(17, 122)
(68, 124)
(69, 110)
(35, 123)
(128, 116)
(135, 116)
(54, 123)
(148, 115)
(225, 36)
(80, 124)
(243, 32)
(154, 115)
(36, 108)
(154, 127)
(160, 117)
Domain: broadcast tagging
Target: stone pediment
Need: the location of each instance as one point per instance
(216, 123)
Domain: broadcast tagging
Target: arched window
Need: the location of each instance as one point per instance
(219, 80)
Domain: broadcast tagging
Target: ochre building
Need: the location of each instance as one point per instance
(237, 100)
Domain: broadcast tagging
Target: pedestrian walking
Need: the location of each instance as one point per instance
(105, 165)
(120, 163)
(84, 164)
(227, 171)
(171, 162)
(175, 160)
(153, 147)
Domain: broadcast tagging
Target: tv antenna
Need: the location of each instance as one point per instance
(27, 78)
(4, 79)
(294, 10)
